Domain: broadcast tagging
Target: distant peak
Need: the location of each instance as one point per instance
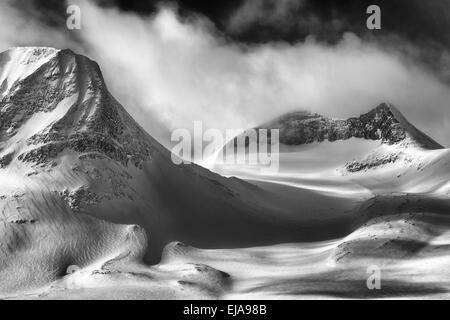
(386, 106)
(384, 122)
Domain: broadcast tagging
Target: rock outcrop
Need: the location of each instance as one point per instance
(384, 123)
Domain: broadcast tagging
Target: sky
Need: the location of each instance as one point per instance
(237, 64)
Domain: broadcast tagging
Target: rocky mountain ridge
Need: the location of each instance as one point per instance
(384, 123)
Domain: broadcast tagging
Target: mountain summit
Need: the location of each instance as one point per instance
(58, 101)
(383, 123)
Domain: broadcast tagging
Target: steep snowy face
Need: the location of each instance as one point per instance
(383, 123)
(53, 100)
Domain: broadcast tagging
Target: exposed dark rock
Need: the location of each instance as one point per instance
(79, 198)
(372, 162)
(6, 159)
(23, 221)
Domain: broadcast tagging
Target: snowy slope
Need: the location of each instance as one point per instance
(400, 182)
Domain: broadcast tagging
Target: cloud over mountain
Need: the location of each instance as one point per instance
(183, 69)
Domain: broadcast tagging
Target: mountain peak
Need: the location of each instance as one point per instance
(54, 100)
(384, 122)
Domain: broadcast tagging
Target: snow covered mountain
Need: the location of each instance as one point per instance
(82, 182)
(64, 142)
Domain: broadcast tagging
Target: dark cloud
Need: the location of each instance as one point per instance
(290, 20)
(293, 20)
(416, 28)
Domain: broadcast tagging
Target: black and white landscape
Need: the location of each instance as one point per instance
(92, 205)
